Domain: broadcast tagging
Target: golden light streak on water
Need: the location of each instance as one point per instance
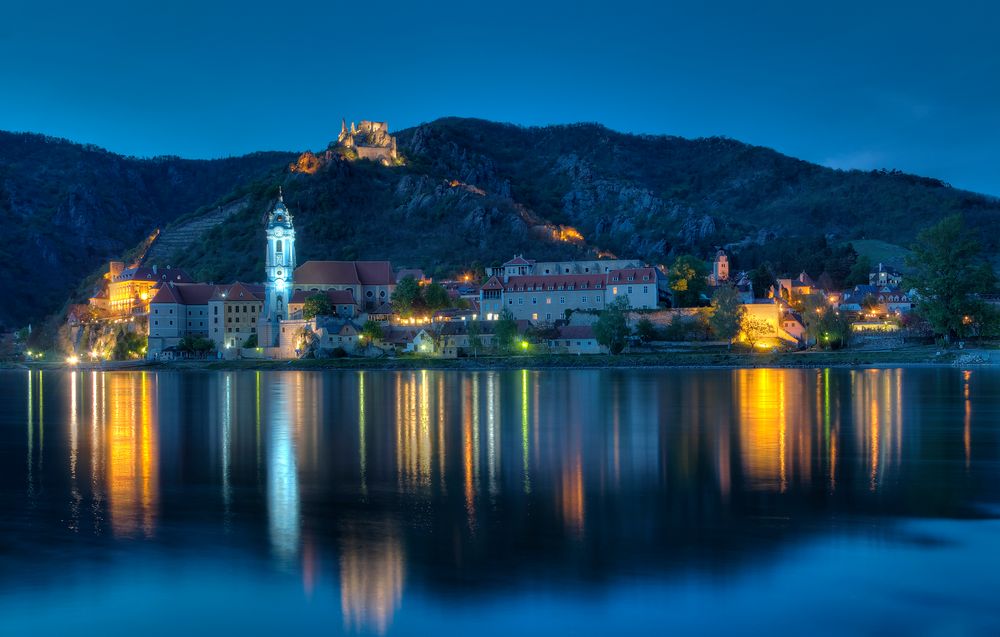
(371, 578)
(467, 451)
(132, 470)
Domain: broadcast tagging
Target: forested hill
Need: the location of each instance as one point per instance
(65, 208)
(468, 191)
(473, 191)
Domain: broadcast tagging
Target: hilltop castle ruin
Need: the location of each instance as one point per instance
(370, 140)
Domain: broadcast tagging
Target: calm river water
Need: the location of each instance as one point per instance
(577, 502)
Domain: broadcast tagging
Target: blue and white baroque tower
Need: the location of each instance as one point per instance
(279, 265)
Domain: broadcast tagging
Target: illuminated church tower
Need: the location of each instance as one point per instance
(279, 265)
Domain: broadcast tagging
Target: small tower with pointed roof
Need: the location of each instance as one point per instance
(278, 268)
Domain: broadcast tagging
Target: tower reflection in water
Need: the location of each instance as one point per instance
(380, 469)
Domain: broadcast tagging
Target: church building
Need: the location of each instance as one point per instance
(278, 272)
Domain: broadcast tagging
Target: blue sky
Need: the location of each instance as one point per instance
(907, 85)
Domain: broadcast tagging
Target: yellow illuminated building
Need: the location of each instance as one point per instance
(129, 290)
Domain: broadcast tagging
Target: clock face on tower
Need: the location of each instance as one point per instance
(278, 232)
(278, 272)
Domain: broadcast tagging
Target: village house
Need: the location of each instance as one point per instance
(235, 310)
(177, 310)
(885, 276)
(226, 314)
(792, 290)
(544, 298)
(576, 339)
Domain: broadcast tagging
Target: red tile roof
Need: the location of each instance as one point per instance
(493, 284)
(375, 272)
(184, 293)
(554, 282)
(576, 331)
(637, 274)
(518, 260)
(345, 273)
(240, 291)
(165, 294)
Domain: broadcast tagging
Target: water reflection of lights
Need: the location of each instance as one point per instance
(524, 431)
(371, 578)
(413, 435)
(74, 445)
(132, 455)
(492, 435)
(282, 480)
(967, 421)
(762, 399)
(877, 398)
(227, 429)
(362, 441)
(470, 445)
(31, 437)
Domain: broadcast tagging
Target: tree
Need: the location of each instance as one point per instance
(194, 344)
(436, 297)
(687, 279)
(371, 331)
(128, 345)
(475, 341)
(317, 305)
(858, 274)
(950, 269)
(406, 298)
(870, 303)
(611, 328)
(754, 329)
(727, 311)
(646, 330)
(506, 330)
(761, 279)
(251, 342)
(831, 330)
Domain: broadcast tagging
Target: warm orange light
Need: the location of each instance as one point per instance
(307, 163)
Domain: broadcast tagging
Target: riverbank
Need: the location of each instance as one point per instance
(696, 358)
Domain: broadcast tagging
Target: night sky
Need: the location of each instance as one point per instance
(908, 85)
